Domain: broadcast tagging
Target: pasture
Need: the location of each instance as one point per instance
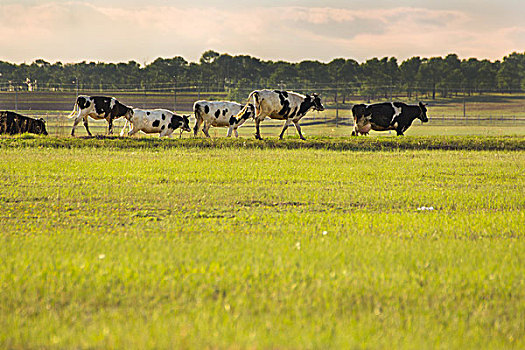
(490, 114)
(148, 243)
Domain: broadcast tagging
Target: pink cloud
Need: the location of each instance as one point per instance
(81, 31)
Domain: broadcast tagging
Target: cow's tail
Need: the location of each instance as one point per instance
(197, 110)
(255, 96)
(75, 110)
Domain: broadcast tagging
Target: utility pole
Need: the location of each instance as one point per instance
(336, 105)
(174, 92)
(464, 106)
(76, 87)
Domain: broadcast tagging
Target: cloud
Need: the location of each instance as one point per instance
(76, 31)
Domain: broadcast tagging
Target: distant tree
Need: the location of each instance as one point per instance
(283, 73)
(487, 75)
(408, 72)
(469, 69)
(511, 72)
(452, 75)
(378, 75)
(208, 57)
(374, 78)
(430, 74)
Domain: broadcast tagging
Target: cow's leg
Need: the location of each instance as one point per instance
(75, 123)
(124, 127)
(133, 131)
(110, 127)
(236, 133)
(355, 132)
(298, 127)
(257, 129)
(229, 133)
(206, 128)
(86, 125)
(197, 126)
(285, 126)
(399, 131)
(167, 132)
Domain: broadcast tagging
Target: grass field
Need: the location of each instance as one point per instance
(147, 243)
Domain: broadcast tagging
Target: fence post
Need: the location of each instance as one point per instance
(175, 93)
(145, 96)
(336, 106)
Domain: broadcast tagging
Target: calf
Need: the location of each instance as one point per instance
(155, 121)
(99, 107)
(282, 105)
(396, 116)
(221, 113)
(14, 123)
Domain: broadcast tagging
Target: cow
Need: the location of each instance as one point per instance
(221, 113)
(153, 121)
(14, 123)
(98, 107)
(396, 116)
(282, 105)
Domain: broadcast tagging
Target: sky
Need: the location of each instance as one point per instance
(293, 30)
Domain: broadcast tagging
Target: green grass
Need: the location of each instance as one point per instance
(111, 243)
(471, 143)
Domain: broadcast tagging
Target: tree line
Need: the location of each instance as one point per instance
(374, 78)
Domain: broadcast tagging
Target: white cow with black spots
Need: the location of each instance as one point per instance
(220, 114)
(98, 107)
(283, 105)
(154, 121)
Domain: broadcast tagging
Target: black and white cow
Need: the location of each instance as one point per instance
(396, 116)
(14, 123)
(98, 107)
(282, 105)
(154, 121)
(220, 113)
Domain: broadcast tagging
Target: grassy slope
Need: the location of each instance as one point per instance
(223, 247)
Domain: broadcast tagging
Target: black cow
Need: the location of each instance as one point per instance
(99, 107)
(396, 116)
(14, 123)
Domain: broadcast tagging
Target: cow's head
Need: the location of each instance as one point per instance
(423, 115)
(39, 127)
(316, 102)
(186, 123)
(129, 113)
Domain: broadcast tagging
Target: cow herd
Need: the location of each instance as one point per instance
(288, 106)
